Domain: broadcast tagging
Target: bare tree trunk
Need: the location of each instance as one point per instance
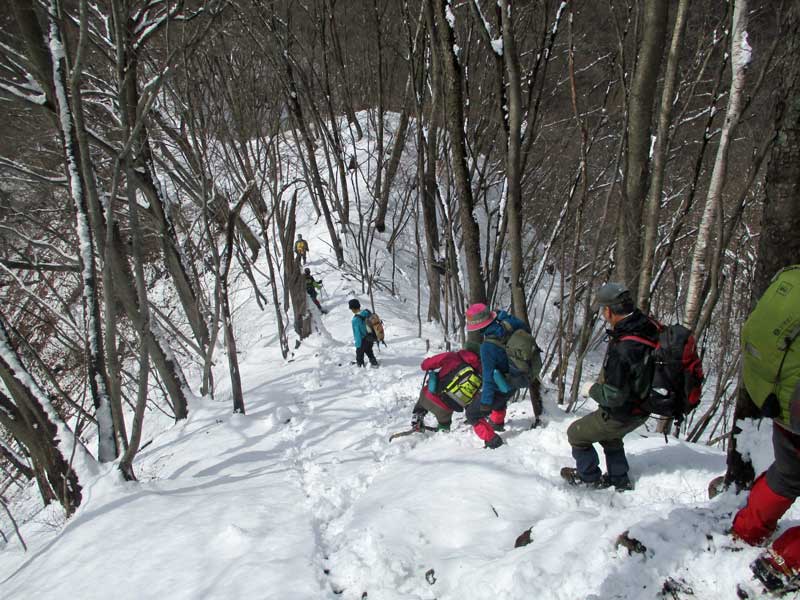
(514, 161)
(339, 56)
(65, 87)
(391, 170)
(661, 147)
(779, 244)
(49, 441)
(292, 272)
(739, 59)
(441, 30)
(227, 317)
(316, 181)
(640, 112)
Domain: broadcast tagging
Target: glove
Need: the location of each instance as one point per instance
(585, 387)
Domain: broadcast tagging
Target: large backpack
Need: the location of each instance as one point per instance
(771, 351)
(461, 385)
(524, 355)
(375, 326)
(677, 374)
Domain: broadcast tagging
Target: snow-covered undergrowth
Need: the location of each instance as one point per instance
(304, 497)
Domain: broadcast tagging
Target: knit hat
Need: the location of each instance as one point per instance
(354, 304)
(479, 316)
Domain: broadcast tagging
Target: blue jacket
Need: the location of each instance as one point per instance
(360, 327)
(493, 356)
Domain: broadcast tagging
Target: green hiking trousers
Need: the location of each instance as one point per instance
(600, 427)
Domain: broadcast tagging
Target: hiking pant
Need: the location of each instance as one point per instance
(366, 348)
(477, 418)
(301, 257)
(773, 492)
(313, 294)
(600, 427)
(425, 405)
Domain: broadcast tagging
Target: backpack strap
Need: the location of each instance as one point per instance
(641, 340)
(508, 329)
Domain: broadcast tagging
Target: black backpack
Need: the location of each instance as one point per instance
(677, 375)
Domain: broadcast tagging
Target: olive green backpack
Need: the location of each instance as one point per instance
(771, 350)
(524, 355)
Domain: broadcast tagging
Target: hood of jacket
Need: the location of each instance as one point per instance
(637, 323)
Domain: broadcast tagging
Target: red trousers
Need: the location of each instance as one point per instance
(757, 521)
(484, 430)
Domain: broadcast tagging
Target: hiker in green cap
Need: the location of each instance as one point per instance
(624, 382)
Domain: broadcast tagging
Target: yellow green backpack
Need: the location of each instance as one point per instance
(771, 350)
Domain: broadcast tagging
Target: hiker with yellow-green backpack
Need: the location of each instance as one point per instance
(452, 382)
(771, 376)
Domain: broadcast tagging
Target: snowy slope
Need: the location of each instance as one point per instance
(304, 497)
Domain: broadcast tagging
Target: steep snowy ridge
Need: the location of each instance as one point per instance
(304, 497)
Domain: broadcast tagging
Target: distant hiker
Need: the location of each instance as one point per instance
(771, 376)
(301, 248)
(453, 381)
(312, 285)
(624, 382)
(362, 337)
(501, 375)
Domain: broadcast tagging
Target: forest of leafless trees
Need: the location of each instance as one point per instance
(152, 151)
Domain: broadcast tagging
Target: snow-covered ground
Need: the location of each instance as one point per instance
(304, 497)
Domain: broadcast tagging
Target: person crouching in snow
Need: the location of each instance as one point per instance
(625, 380)
(488, 416)
(453, 381)
(363, 339)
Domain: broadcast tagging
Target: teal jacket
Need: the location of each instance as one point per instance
(360, 327)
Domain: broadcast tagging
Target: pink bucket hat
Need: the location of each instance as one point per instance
(479, 316)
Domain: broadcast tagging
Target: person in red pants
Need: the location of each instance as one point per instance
(488, 416)
(772, 494)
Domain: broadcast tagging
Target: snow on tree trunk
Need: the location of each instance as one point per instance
(54, 446)
(107, 447)
(740, 57)
(779, 244)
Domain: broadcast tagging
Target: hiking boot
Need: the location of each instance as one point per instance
(572, 477)
(623, 484)
(445, 428)
(417, 421)
(770, 576)
(493, 443)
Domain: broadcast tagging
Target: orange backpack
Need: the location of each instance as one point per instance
(375, 327)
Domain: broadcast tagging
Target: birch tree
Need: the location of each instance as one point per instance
(740, 58)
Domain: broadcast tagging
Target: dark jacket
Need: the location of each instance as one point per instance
(495, 357)
(627, 368)
(312, 284)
